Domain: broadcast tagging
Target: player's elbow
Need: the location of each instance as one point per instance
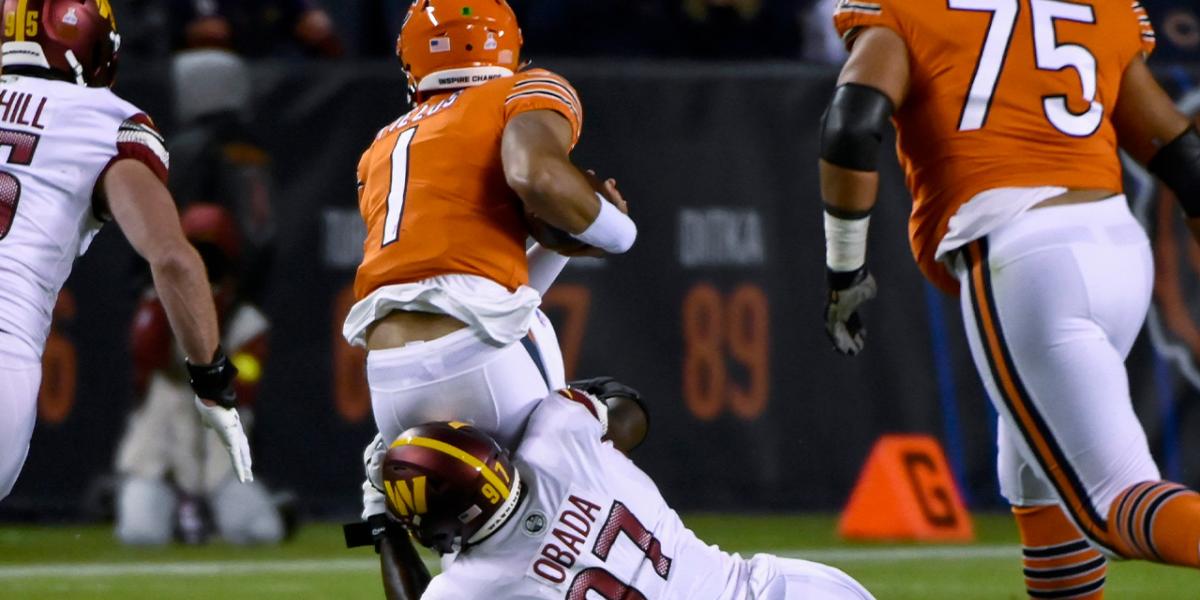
(537, 183)
(173, 261)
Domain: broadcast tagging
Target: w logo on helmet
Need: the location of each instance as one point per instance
(407, 501)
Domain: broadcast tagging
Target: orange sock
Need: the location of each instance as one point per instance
(1158, 521)
(1059, 561)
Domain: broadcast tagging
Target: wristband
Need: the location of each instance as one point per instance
(612, 231)
(214, 381)
(845, 242)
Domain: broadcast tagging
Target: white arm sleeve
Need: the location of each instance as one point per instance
(545, 265)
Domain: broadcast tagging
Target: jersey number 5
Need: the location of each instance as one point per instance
(22, 146)
(1049, 54)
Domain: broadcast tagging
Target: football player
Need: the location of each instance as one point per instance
(444, 307)
(75, 156)
(568, 516)
(1009, 115)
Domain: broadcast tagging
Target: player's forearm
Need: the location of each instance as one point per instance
(847, 191)
(559, 194)
(404, 574)
(183, 289)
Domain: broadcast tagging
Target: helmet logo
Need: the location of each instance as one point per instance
(71, 18)
(491, 43)
(407, 501)
(106, 12)
(439, 44)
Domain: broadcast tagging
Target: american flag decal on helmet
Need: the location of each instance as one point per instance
(440, 44)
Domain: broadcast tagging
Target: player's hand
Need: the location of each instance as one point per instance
(228, 425)
(374, 502)
(847, 292)
(608, 189)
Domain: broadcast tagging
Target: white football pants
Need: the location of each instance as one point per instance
(20, 378)
(774, 578)
(460, 377)
(1052, 304)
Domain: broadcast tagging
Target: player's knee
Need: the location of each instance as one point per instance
(145, 511)
(774, 578)
(245, 514)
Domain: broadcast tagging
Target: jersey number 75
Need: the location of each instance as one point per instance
(1049, 54)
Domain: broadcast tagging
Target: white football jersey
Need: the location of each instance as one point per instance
(56, 140)
(592, 526)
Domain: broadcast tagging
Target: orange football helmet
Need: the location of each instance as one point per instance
(450, 44)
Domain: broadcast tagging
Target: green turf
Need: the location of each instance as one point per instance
(77, 563)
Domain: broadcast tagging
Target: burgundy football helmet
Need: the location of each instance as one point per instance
(76, 38)
(450, 484)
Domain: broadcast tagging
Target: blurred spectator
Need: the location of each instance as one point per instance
(822, 44)
(740, 28)
(174, 475)
(217, 159)
(253, 28)
(1177, 23)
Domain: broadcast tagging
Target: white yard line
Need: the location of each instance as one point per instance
(255, 567)
(901, 553)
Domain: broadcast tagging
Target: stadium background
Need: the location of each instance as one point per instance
(715, 315)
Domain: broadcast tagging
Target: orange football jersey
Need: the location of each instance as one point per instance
(1004, 93)
(432, 189)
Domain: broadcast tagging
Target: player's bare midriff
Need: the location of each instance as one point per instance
(1076, 197)
(402, 327)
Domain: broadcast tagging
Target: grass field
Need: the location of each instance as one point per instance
(83, 563)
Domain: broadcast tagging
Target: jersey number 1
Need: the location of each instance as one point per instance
(399, 187)
(21, 145)
(1049, 54)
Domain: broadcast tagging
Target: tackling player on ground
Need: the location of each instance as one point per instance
(76, 156)
(568, 516)
(1008, 117)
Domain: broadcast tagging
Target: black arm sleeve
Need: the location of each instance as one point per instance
(1178, 166)
(853, 126)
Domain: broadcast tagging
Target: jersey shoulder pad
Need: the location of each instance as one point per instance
(1145, 30)
(852, 16)
(539, 89)
(139, 139)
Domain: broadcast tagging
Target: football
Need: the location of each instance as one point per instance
(552, 237)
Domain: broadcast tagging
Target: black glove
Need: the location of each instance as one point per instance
(214, 381)
(847, 292)
(607, 387)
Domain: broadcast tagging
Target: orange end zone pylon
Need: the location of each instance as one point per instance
(906, 492)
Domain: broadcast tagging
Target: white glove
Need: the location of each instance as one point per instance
(228, 425)
(374, 502)
(847, 293)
